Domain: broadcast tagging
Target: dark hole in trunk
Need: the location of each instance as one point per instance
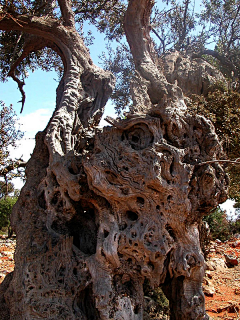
(86, 303)
(84, 230)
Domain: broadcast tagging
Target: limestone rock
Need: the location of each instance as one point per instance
(209, 290)
(216, 264)
(231, 260)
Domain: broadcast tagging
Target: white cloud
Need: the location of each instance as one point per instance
(35, 121)
(230, 210)
(30, 125)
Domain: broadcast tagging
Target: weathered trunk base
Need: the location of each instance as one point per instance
(130, 210)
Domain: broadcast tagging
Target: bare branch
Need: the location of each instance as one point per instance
(20, 87)
(15, 49)
(235, 162)
(232, 28)
(30, 46)
(40, 26)
(112, 121)
(184, 29)
(137, 28)
(158, 36)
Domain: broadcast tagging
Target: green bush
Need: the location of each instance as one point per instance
(156, 303)
(6, 205)
(220, 227)
(235, 225)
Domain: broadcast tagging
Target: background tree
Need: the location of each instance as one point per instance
(10, 134)
(6, 189)
(219, 225)
(223, 18)
(6, 205)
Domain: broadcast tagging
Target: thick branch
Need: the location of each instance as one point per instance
(52, 30)
(222, 59)
(234, 162)
(137, 28)
(67, 13)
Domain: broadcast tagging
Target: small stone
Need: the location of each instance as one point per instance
(209, 290)
(209, 266)
(217, 264)
(237, 291)
(208, 274)
(236, 244)
(231, 260)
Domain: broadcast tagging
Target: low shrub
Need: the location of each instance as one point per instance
(6, 205)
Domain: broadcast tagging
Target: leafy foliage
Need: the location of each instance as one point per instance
(219, 225)
(119, 62)
(6, 205)
(223, 18)
(156, 303)
(9, 134)
(223, 109)
(106, 15)
(175, 25)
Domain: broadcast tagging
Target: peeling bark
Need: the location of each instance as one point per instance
(105, 209)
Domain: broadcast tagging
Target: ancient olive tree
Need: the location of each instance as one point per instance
(104, 210)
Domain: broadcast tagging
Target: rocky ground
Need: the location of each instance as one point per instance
(222, 281)
(7, 248)
(221, 284)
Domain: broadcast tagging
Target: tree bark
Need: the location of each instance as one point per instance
(104, 210)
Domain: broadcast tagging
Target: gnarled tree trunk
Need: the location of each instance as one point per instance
(105, 209)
